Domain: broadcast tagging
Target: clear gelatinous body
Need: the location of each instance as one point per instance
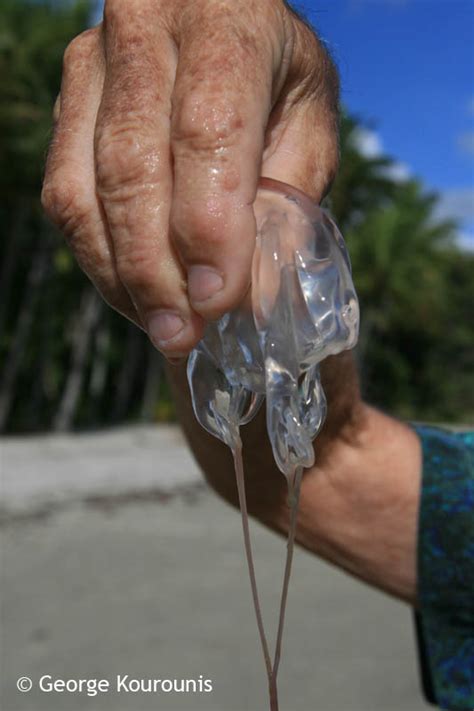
(303, 308)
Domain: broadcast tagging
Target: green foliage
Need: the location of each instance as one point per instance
(69, 361)
(46, 310)
(33, 36)
(414, 287)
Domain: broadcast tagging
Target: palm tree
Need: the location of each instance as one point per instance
(398, 255)
(33, 37)
(363, 182)
(68, 362)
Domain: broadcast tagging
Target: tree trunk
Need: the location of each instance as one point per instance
(14, 240)
(88, 316)
(100, 362)
(27, 310)
(35, 410)
(127, 375)
(152, 385)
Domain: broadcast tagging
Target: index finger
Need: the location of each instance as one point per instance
(133, 171)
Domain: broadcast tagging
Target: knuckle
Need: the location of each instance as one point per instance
(203, 123)
(316, 70)
(80, 48)
(65, 204)
(70, 52)
(70, 210)
(123, 162)
(304, 36)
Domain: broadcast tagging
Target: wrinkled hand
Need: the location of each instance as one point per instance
(169, 113)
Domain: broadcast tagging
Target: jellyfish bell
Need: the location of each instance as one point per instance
(302, 307)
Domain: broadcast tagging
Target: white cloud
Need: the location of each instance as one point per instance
(368, 142)
(457, 203)
(465, 240)
(466, 142)
(398, 172)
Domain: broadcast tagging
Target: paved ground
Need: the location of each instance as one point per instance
(117, 560)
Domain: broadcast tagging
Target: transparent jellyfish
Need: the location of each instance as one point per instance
(302, 308)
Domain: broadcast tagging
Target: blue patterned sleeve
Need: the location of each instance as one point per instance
(445, 610)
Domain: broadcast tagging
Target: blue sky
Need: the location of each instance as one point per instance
(407, 67)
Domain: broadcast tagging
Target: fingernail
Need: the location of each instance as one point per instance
(163, 327)
(203, 283)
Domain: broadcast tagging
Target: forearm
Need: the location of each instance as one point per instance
(359, 503)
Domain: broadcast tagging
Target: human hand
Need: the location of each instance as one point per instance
(169, 113)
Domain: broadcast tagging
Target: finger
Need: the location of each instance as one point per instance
(221, 102)
(133, 172)
(301, 145)
(69, 188)
(304, 153)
